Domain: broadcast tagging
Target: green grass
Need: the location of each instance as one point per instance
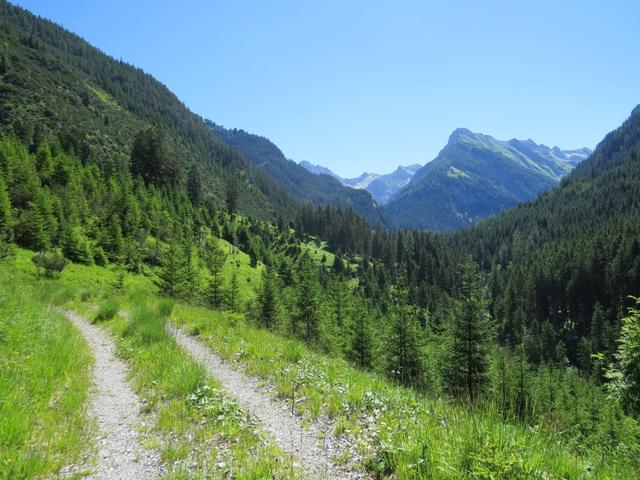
(199, 431)
(107, 310)
(396, 431)
(44, 379)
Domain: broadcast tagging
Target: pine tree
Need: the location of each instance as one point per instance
(360, 337)
(31, 229)
(194, 185)
(233, 291)
(471, 334)
(405, 342)
(307, 309)
(6, 221)
(268, 302)
(170, 279)
(75, 244)
(215, 259)
(119, 281)
(624, 373)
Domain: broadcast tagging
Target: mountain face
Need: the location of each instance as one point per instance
(54, 84)
(296, 179)
(381, 187)
(475, 176)
(319, 170)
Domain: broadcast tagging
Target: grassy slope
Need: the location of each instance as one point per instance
(393, 431)
(198, 430)
(44, 378)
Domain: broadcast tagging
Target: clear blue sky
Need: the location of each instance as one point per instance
(369, 85)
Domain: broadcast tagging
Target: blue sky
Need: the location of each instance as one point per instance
(369, 85)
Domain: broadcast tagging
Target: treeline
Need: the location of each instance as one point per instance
(559, 270)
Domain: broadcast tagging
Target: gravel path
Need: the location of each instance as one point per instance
(304, 443)
(117, 411)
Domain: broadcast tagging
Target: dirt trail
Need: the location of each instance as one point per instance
(304, 443)
(116, 410)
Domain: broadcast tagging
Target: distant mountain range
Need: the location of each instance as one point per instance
(475, 176)
(381, 187)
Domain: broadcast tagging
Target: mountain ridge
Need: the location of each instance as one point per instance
(380, 186)
(475, 176)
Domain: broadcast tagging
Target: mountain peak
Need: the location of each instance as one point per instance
(460, 134)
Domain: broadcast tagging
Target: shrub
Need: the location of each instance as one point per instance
(52, 263)
(107, 310)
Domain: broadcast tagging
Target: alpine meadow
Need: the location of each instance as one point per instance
(180, 300)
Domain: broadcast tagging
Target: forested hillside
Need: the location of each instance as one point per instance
(54, 83)
(319, 189)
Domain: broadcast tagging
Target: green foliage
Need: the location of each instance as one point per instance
(470, 335)
(404, 343)
(624, 374)
(165, 307)
(215, 259)
(50, 263)
(107, 310)
(31, 229)
(154, 159)
(171, 276)
(6, 221)
(44, 383)
(232, 293)
(145, 326)
(307, 309)
(76, 246)
(268, 302)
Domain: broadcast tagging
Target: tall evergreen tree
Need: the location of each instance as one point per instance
(233, 291)
(194, 185)
(307, 310)
(360, 336)
(470, 336)
(268, 301)
(405, 342)
(6, 220)
(31, 229)
(624, 373)
(215, 259)
(170, 279)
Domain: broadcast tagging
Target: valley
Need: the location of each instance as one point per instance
(179, 300)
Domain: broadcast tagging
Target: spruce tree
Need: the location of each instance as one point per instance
(307, 308)
(233, 291)
(31, 229)
(624, 373)
(194, 185)
(215, 259)
(6, 221)
(360, 336)
(268, 299)
(404, 342)
(170, 279)
(470, 336)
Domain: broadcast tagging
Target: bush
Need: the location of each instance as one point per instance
(107, 310)
(52, 263)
